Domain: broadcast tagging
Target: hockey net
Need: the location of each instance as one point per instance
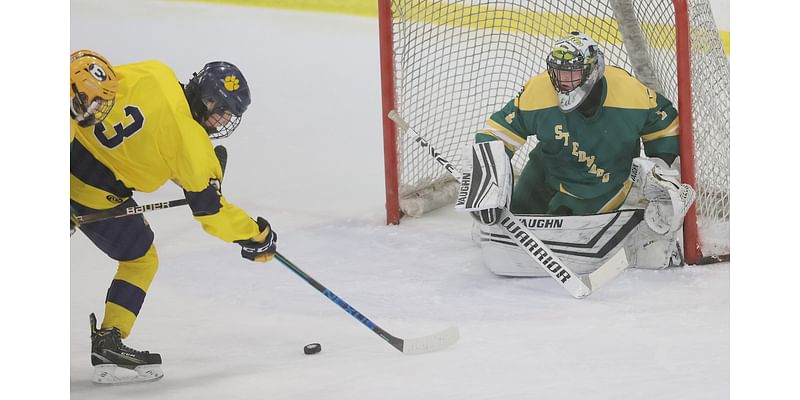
(447, 65)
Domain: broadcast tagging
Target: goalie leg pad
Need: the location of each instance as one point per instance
(647, 249)
(583, 242)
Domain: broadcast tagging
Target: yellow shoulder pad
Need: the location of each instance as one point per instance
(537, 94)
(625, 91)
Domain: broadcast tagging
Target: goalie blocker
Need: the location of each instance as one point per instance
(486, 181)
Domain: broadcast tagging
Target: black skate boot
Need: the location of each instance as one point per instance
(108, 353)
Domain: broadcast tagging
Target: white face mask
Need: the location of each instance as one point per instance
(566, 65)
(572, 99)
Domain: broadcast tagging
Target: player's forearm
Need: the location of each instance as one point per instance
(229, 223)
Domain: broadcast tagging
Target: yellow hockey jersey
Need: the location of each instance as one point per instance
(149, 138)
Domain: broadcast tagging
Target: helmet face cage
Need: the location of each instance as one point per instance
(218, 96)
(574, 65)
(93, 87)
(563, 76)
(221, 123)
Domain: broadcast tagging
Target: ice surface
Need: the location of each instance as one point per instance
(308, 156)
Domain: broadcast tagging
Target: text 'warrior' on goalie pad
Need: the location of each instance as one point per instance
(486, 181)
(583, 242)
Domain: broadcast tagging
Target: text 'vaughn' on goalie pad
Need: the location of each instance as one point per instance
(486, 181)
(582, 242)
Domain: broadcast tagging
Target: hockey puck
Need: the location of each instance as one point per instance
(312, 348)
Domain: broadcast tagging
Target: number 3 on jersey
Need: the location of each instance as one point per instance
(121, 131)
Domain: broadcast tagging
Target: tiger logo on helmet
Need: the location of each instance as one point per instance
(218, 96)
(93, 87)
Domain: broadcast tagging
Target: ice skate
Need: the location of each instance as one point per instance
(116, 363)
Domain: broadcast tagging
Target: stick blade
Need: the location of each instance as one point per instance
(435, 342)
(608, 271)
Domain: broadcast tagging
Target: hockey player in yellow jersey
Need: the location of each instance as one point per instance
(157, 130)
(92, 91)
(92, 88)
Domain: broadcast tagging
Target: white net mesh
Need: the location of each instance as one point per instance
(456, 62)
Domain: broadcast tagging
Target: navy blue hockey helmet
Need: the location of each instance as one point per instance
(218, 95)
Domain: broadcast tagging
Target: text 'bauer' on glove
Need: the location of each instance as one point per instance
(262, 247)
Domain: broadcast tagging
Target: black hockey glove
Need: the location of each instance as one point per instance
(262, 247)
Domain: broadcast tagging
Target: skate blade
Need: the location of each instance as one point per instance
(111, 374)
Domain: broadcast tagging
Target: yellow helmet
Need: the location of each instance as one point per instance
(93, 87)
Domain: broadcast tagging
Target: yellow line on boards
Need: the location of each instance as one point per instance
(351, 7)
(438, 12)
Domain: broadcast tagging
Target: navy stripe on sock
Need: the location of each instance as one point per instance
(126, 295)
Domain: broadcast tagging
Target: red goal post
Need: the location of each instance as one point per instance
(446, 65)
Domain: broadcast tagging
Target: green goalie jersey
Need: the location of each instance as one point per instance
(588, 158)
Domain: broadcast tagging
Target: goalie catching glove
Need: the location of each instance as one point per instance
(668, 200)
(260, 248)
(486, 181)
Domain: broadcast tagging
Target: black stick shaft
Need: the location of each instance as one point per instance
(124, 212)
(222, 156)
(394, 341)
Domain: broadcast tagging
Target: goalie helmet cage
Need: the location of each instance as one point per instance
(447, 65)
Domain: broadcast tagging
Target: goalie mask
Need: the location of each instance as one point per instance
(93, 87)
(218, 95)
(575, 65)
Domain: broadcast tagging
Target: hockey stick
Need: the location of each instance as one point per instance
(124, 212)
(576, 285)
(222, 155)
(425, 344)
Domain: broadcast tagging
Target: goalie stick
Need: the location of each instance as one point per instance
(576, 285)
(425, 344)
(222, 155)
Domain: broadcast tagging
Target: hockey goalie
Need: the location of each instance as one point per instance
(587, 191)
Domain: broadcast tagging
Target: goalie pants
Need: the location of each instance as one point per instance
(532, 195)
(129, 240)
